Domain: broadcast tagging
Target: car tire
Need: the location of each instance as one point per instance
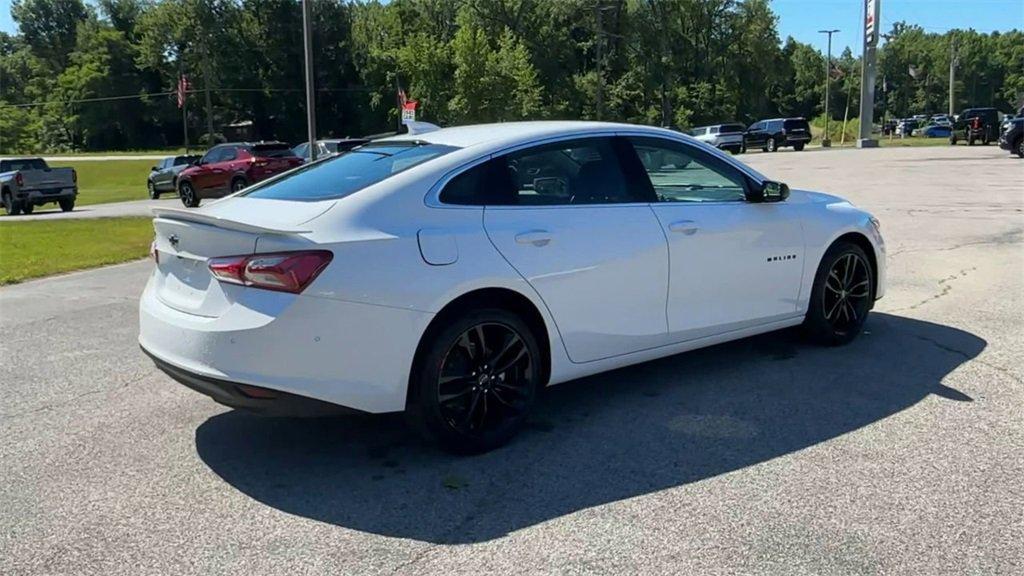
(151, 188)
(1020, 147)
(238, 184)
(771, 145)
(841, 297)
(188, 194)
(970, 141)
(952, 140)
(27, 208)
(66, 204)
(475, 381)
(985, 140)
(799, 146)
(11, 207)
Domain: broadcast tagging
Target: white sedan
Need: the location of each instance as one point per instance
(454, 273)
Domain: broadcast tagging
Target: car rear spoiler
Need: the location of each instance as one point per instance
(184, 215)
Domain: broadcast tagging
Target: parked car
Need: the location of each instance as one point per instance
(770, 135)
(29, 182)
(1012, 137)
(327, 147)
(453, 274)
(228, 168)
(906, 127)
(164, 176)
(722, 136)
(976, 125)
(933, 131)
(889, 127)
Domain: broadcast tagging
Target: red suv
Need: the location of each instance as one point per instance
(227, 168)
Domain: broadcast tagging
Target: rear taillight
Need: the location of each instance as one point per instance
(281, 271)
(259, 163)
(19, 180)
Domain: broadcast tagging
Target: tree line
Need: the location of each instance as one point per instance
(102, 76)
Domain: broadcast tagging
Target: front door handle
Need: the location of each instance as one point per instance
(686, 227)
(538, 238)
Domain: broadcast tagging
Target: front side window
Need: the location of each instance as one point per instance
(350, 172)
(680, 173)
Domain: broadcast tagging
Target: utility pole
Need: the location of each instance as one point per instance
(826, 141)
(954, 61)
(599, 49)
(867, 73)
(307, 32)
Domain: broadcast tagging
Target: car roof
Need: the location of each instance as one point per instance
(512, 133)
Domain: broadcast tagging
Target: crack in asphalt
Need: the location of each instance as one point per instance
(946, 289)
(998, 368)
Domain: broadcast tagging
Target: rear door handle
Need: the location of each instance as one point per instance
(686, 227)
(538, 238)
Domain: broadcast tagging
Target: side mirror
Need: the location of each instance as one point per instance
(768, 191)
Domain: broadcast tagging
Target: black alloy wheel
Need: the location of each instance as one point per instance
(151, 187)
(478, 382)
(842, 295)
(237, 185)
(188, 195)
(771, 145)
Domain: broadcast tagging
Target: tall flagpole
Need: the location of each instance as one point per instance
(307, 32)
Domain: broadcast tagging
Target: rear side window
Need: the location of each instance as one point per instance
(350, 172)
(271, 150)
(585, 171)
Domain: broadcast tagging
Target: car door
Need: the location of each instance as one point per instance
(223, 169)
(586, 240)
(203, 176)
(754, 137)
(733, 264)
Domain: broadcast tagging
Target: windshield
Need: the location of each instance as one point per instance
(350, 172)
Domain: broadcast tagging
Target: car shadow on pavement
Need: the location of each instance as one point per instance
(601, 439)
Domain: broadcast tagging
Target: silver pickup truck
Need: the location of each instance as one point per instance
(28, 182)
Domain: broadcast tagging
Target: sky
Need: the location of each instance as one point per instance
(803, 18)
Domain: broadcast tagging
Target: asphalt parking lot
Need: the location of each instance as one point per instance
(902, 453)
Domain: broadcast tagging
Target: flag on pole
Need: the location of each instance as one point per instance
(183, 87)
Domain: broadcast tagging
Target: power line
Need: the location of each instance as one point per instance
(158, 94)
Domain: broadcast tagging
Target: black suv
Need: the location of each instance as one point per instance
(1012, 138)
(976, 125)
(770, 135)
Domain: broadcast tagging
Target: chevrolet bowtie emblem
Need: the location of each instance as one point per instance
(173, 239)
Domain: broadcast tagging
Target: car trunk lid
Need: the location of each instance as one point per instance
(186, 240)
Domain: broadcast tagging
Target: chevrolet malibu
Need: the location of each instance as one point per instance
(452, 274)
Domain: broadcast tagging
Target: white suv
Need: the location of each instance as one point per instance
(723, 136)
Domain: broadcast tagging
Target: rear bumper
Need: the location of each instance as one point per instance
(798, 139)
(344, 353)
(44, 196)
(251, 398)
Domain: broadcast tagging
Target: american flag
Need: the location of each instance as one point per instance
(182, 90)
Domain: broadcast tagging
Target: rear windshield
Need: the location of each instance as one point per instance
(271, 150)
(350, 172)
(731, 128)
(795, 125)
(179, 160)
(23, 164)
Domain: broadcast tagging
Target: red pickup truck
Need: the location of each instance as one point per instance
(228, 168)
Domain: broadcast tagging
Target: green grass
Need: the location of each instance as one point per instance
(35, 249)
(101, 181)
